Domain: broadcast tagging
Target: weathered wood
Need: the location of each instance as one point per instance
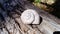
(49, 23)
(14, 25)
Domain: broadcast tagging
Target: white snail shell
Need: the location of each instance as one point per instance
(30, 16)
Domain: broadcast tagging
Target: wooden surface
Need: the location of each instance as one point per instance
(14, 25)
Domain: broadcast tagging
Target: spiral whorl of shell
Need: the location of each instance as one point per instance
(30, 16)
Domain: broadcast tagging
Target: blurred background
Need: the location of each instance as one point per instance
(51, 6)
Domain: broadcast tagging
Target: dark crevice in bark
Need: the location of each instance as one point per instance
(7, 30)
(18, 24)
(6, 27)
(11, 15)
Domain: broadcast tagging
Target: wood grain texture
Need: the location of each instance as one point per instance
(14, 25)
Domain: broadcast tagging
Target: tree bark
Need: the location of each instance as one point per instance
(12, 23)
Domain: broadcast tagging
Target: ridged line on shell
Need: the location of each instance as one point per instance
(30, 16)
